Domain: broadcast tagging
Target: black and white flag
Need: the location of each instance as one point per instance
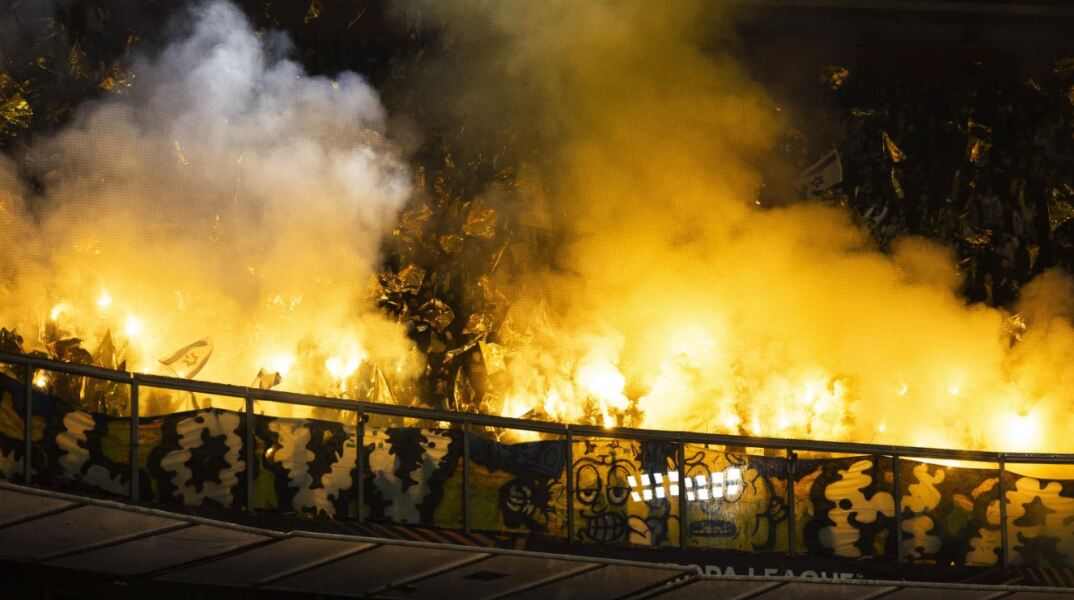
(822, 175)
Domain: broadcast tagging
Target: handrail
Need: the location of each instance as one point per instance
(432, 414)
(466, 423)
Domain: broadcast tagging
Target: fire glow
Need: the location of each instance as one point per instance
(259, 252)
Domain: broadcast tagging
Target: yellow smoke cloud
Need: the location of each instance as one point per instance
(644, 139)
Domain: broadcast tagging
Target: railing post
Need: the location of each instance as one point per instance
(1004, 541)
(135, 440)
(359, 431)
(680, 464)
(28, 425)
(570, 485)
(251, 453)
(465, 478)
(792, 529)
(897, 495)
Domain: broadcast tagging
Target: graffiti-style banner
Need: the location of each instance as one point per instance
(624, 494)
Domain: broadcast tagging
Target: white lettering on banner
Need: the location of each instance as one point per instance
(730, 571)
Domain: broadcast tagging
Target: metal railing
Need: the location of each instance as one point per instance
(466, 421)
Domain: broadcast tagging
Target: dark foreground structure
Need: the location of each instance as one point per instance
(121, 550)
(358, 499)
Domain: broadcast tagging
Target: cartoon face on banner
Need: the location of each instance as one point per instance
(735, 501)
(606, 510)
(601, 491)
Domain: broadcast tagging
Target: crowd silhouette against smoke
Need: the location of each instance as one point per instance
(985, 167)
(508, 284)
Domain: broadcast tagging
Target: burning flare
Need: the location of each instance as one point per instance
(672, 300)
(222, 218)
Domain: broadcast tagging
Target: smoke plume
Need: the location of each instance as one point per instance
(673, 292)
(229, 197)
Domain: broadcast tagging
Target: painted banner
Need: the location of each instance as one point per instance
(845, 507)
(519, 487)
(950, 515)
(750, 516)
(607, 473)
(623, 493)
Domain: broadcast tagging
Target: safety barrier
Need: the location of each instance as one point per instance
(250, 449)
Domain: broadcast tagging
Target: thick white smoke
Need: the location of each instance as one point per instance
(228, 196)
